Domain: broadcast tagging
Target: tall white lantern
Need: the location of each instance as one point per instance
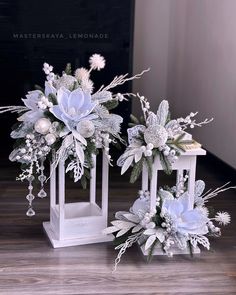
(186, 162)
(81, 222)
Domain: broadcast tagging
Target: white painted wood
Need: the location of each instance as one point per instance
(179, 176)
(82, 222)
(153, 185)
(93, 180)
(105, 183)
(144, 178)
(61, 200)
(100, 238)
(186, 161)
(191, 181)
(52, 191)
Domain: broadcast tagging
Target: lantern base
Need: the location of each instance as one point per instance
(175, 250)
(99, 238)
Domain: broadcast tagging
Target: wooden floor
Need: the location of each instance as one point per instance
(29, 265)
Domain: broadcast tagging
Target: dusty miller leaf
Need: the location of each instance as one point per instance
(162, 113)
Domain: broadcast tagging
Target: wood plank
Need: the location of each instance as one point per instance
(29, 265)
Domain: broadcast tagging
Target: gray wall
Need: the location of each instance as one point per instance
(191, 47)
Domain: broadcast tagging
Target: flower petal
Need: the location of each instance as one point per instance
(62, 98)
(76, 99)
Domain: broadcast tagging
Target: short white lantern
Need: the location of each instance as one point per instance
(77, 223)
(186, 162)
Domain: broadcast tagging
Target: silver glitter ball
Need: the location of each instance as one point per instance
(156, 134)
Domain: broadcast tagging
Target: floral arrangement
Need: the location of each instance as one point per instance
(156, 134)
(65, 121)
(171, 224)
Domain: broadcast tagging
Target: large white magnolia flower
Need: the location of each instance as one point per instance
(31, 102)
(185, 220)
(73, 106)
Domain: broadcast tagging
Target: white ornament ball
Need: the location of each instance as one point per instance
(86, 128)
(42, 126)
(50, 138)
(156, 134)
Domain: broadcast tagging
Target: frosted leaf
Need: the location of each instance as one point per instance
(67, 141)
(150, 241)
(127, 164)
(172, 128)
(160, 235)
(131, 217)
(138, 156)
(120, 215)
(77, 169)
(162, 113)
(150, 231)
(134, 133)
(196, 239)
(22, 130)
(13, 154)
(136, 228)
(180, 241)
(122, 232)
(110, 123)
(101, 111)
(152, 119)
(102, 96)
(110, 230)
(199, 188)
(121, 160)
(80, 152)
(120, 224)
(79, 137)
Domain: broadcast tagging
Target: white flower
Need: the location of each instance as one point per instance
(47, 68)
(82, 74)
(97, 62)
(223, 218)
(185, 220)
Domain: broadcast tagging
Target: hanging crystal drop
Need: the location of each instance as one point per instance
(42, 194)
(30, 212)
(42, 178)
(30, 197)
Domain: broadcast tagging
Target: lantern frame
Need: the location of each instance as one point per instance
(186, 162)
(77, 223)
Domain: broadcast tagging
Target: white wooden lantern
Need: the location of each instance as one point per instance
(186, 162)
(82, 222)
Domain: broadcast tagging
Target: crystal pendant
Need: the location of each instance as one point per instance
(30, 197)
(30, 212)
(42, 194)
(42, 178)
